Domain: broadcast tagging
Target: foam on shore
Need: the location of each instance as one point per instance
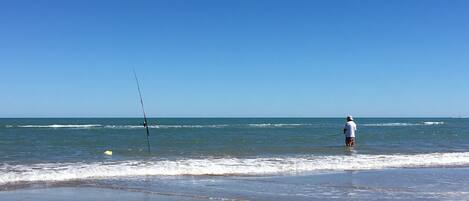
(224, 166)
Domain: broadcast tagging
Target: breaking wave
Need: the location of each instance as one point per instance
(87, 126)
(433, 122)
(61, 126)
(256, 125)
(166, 126)
(428, 123)
(276, 125)
(224, 166)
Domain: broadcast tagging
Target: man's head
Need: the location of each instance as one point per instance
(349, 118)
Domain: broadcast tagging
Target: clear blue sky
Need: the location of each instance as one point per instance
(241, 58)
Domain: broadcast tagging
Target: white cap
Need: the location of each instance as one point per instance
(350, 117)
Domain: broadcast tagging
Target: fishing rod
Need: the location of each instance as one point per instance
(145, 122)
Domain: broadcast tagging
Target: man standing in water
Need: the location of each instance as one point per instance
(349, 131)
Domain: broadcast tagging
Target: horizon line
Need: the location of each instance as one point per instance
(225, 117)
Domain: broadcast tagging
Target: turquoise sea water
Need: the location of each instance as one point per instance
(62, 150)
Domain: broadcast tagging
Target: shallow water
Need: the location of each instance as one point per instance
(60, 150)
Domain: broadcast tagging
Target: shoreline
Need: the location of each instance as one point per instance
(386, 184)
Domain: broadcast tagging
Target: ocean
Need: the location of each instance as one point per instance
(233, 159)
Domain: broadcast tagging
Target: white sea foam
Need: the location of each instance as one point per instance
(85, 126)
(224, 166)
(404, 124)
(166, 126)
(61, 126)
(433, 122)
(267, 125)
(393, 124)
(257, 125)
(193, 126)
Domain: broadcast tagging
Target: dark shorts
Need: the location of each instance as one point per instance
(349, 141)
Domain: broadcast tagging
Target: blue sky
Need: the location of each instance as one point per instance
(242, 58)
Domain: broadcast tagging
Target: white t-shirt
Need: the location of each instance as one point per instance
(350, 128)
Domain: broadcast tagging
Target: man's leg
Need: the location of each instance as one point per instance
(348, 141)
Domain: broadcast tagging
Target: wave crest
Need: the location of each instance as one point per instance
(224, 166)
(268, 125)
(433, 123)
(427, 123)
(86, 126)
(61, 126)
